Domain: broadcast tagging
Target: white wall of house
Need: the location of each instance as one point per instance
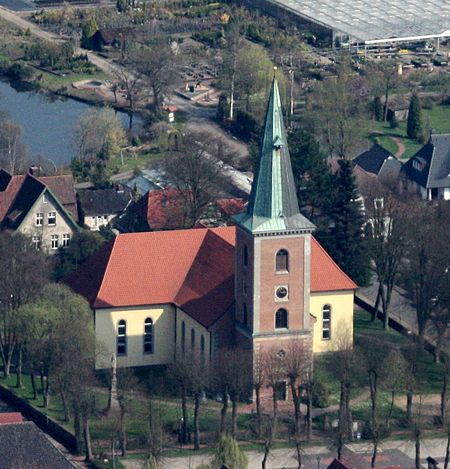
(47, 225)
(94, 222)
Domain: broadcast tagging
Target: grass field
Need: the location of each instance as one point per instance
(437, 119)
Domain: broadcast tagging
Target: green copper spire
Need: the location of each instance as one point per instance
(273, 204)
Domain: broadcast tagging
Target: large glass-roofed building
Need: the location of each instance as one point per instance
(373, 21)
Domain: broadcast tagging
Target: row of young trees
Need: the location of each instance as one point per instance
(43, 326)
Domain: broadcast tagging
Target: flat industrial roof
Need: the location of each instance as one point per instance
(369, 20)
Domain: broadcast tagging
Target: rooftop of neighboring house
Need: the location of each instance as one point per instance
(103, 201)
(376, 160)
(430, 166)
(23, 445)
(138, 269)
(19, 193)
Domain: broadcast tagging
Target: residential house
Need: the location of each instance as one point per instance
(263, 283)
(23, 445)
(376, 163)
(427, 173)
(100, 207)
(43, 208)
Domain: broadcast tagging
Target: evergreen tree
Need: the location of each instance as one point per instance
(377, 108)
(345, 240)
(313, 178)
(229, 453)
(414, 128)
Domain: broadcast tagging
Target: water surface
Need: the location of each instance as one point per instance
(48, 121)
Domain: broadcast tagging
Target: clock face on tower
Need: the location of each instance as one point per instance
(281, 292)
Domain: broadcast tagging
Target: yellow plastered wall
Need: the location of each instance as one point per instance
(190, 324)
(341, 303)
(106, 322)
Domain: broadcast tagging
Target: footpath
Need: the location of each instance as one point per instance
(319, 457)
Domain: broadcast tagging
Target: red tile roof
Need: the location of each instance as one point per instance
(177, 267)
(326, 275)
(10, 417)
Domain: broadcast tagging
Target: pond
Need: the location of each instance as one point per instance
(48, 121)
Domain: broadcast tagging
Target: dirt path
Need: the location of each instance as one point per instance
(400, 145)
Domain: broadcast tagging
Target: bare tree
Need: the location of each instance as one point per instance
(297, 364)
(27, 271)
(155, 65)
(344, 365)
(13, 153)
(425, 271)
(195, 171)
(386, 237)
(341, 130)
(275, 374)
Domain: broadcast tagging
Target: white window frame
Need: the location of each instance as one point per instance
(93, 221)
(36, 241)
(51, 215)
(65, 240)
(326, 322)
(39, 219)
(54, 240)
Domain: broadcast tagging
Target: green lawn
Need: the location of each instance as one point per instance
(135, 161)
(430, 374)
(437, 118)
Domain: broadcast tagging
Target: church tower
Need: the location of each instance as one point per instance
(273, 249)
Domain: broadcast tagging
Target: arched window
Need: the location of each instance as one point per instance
(192, 338)
(245, 256)
(281, 319)
(282, 261)
(244, 314)
(183, 337)
(202, 344)
(148, 335)
(122, 337)
(326, 322)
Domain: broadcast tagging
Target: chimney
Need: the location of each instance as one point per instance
(34, 170)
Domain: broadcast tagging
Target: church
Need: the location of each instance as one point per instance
(260, 284)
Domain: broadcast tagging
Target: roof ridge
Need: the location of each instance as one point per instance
(333, 261)
(431, 164)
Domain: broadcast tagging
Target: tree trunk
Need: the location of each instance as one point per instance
(19, 383)
(197, 398)
(233, 79)
(417, 445)
(374, 453)
(377, 303)
(223, 412)
(386, 99)
(444, 393)
(87, 439)
(77, 429)
(373, 399)
(184, 426)
(385, 300)
(296, 401)
(234, 416)
(391, 409)
(123, 433)
(258, 409)
(409, 403)
(33, 385)
(309, 405)
(447, 453)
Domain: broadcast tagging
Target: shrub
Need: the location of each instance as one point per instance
(321, 395)
(229, 453)
(366, 433)
(20, 71)
(393, 122)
